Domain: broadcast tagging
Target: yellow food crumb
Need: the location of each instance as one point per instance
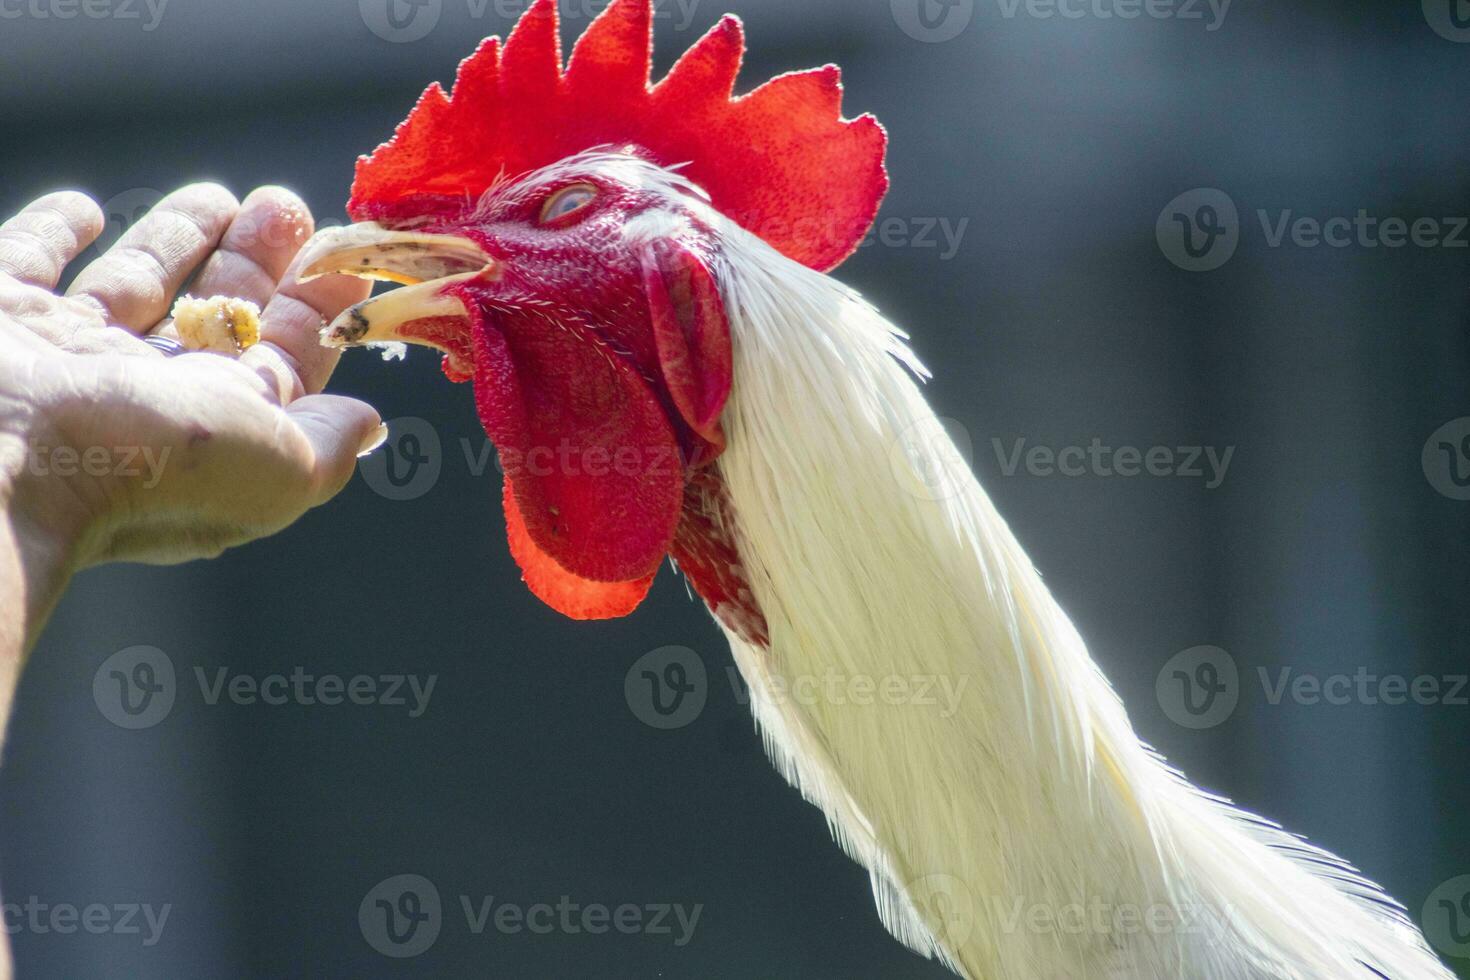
(221, 324)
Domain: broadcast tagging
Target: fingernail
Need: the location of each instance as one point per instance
(375, 439)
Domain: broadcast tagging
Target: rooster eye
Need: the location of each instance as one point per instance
(568, 200)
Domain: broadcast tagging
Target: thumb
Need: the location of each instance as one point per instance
(339, 430)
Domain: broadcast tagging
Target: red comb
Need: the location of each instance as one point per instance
(781, 161)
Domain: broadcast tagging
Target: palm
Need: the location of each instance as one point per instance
(167, 459)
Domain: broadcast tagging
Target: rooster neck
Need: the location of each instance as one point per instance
(921, 686)
(918, 684)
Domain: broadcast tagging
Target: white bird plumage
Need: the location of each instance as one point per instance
(1026, 834)
(1015, 828)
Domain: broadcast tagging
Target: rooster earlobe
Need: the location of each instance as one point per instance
(692, 333)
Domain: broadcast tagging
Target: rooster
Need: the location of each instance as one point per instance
(634, 277)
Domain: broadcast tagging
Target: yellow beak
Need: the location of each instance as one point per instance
(423, 263)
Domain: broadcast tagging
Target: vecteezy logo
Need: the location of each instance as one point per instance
(1446, 917)
(408, 464)
(946, 906)
(400, 21)
(135, 688)
(122, 211)
(401, 916)
(932, 21)
(1446, 459)
(1199, 230)
(932, 458)
(1449, 18)
(1199, 687)
(667, 688)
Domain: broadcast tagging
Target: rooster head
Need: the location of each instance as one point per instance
(555, 232)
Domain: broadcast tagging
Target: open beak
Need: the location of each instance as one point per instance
(425, 264)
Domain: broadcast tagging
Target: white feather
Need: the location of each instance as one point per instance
(1026, 834)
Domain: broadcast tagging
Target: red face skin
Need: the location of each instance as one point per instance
(600, 367)
(584, 341)
(574, 269)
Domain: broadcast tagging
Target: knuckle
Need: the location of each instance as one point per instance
(206, 194)
(208, 206)
(22, 254)
(205, 227)
(233, 271)
(77, 211)
(141, 272)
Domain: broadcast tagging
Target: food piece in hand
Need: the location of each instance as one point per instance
(220, 324)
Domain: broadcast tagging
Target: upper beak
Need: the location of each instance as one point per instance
(426, 264)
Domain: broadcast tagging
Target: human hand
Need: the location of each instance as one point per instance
(110, 450)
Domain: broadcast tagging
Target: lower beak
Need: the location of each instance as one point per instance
(427, 265)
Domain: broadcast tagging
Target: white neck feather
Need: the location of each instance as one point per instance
(925, 690)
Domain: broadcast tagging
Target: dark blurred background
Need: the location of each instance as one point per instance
(1046, 156)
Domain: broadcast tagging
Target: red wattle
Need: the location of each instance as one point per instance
(592, 458)
(568, 594)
